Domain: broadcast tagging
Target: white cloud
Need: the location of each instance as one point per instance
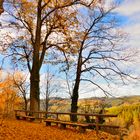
(129, 7)
(131, 10)
(133, 31)
(114, 90)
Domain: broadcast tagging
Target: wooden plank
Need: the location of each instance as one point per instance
(63, 124)
(66, 122)
(49, 120)
(31, 118)
(68, 113)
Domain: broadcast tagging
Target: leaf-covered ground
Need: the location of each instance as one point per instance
(23, 130)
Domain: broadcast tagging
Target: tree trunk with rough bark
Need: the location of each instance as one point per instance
(74, 102)
(34, 85)
(75, 94)
(34, 73)
(1, 6)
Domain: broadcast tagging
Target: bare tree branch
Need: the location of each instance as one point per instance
(104, 91)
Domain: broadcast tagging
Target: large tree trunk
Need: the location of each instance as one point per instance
(35, 81)
(74, 102)
(34, 73)
(1, 6)
(34, 89)
(75, 94)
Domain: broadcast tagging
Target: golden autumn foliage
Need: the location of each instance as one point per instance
(54, 18)
(21, 130)
(8, 96)
(59, 22)
(134, 135)
(128, 115)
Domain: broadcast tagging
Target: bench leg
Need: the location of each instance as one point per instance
(48, 123)
(32, 119)
(18, 117)
(62, 126)
(41, 120)
(81, 129)
(23, 118)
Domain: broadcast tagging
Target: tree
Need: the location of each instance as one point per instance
(1, 6)
(20, 82)
(50, 87)
(100, 52)
(39, 24)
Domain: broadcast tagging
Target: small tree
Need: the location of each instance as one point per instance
(49, 87)
(21, 83)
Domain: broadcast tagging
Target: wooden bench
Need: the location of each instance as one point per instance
(81, 126)
(97, 125)
(24, 117)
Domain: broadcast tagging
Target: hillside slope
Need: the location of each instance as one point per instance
(22, 130)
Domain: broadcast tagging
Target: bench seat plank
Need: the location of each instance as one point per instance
(65, 122)
(81, 126)
(24, 117)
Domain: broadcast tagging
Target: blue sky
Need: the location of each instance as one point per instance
(129, 15)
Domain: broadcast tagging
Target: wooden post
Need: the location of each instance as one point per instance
(81, 129)
(97, 124)
(48, 123)
(57, 116)
(15, 113)
(62, 126)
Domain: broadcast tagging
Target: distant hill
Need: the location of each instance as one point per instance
(124, 100)
(63, 104)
